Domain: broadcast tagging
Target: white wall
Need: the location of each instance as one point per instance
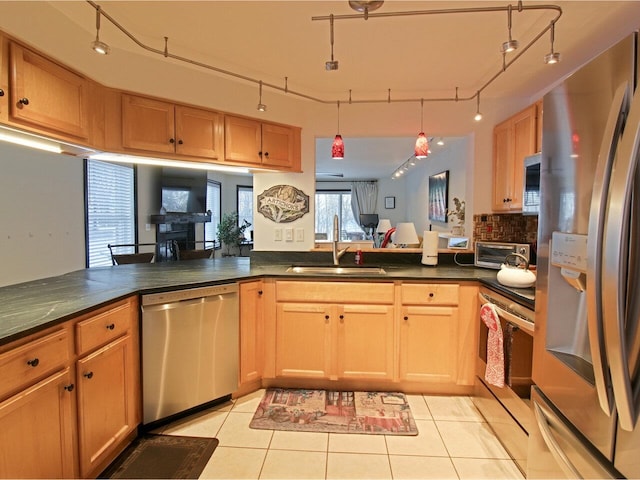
(41, 214)
(454, 158)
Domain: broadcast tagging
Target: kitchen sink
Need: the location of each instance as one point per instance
(336, 270)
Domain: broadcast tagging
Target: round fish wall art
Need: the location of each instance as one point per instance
(283, 203)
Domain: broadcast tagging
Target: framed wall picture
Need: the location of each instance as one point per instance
(439, 196)
(389, 202)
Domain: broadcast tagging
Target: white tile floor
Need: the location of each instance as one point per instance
(453, 442)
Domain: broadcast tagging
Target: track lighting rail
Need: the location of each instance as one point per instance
(165, 52)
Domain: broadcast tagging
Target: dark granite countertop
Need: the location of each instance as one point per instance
(30, 306)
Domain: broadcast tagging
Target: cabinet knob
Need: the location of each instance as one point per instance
(70, 387)
(406, 317)
(180, 142)
(341, 317)
(259, 292)
(172, 140)
(1, 92)
(431, 294)
(266, 154)
(259, 154)
(88, 375)
(326, 317)
(23, 101)
(34, 362)
(111, 326)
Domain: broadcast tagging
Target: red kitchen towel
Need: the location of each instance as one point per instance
(495, 351)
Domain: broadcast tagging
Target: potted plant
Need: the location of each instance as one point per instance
(230, 233)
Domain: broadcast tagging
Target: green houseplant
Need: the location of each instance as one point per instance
(230, 234)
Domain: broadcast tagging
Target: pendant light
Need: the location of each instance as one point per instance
(337, 149)
(98, 46)
(422, 144)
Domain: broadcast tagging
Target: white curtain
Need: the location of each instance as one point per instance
(364, 198)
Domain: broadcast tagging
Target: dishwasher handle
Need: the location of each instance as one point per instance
(176, 296)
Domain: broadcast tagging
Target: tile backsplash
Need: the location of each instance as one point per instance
(508, 227)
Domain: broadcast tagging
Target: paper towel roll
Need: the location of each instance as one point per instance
(430, 248)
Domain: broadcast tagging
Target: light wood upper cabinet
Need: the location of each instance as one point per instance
(158, 126)
(254, 143)
(513, 140)
(46, 95)
(251, 331)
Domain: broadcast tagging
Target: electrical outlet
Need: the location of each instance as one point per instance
(299, 234)
(277, 234)
(288, 234)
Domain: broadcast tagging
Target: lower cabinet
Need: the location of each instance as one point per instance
(322, 338)
(105, 412)
(67, 412)
(37, 430)
(251, 331)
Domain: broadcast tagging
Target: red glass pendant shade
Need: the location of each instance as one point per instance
(337, 149)
(422, 146)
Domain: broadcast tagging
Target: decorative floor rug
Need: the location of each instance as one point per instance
(162, 456)
(383, 413)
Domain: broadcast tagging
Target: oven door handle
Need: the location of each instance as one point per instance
(509, 317)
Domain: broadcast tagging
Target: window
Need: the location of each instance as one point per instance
(245, 208)
(330, 203)
(110, 209)
(213, 204)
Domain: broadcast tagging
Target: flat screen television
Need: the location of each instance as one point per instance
(183, 190)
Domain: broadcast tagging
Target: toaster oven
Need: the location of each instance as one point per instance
(493, 254)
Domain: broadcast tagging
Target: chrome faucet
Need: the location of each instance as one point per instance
(336, 238)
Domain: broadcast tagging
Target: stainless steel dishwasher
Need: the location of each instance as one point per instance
(190, 349)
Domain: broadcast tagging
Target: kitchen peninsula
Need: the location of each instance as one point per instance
(421, 325)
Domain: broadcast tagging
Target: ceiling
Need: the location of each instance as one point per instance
(397, 58)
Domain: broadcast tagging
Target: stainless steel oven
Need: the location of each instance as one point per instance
(507, 409)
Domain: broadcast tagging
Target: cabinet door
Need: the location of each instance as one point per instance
(106, 409)
(242, 140)
(502, 166)
(251, 332)
(45, 94)
(429, 344)
(277, 146)
(199, 132)
(524, 144)
(148, 124)
(303, 340)
(36, 438)
(365, 342)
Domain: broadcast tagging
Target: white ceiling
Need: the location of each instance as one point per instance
(417, 56)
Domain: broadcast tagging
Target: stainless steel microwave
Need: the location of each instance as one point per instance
(493, 254)
(531, 191)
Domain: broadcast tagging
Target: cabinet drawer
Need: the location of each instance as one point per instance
(430, 294)
(100, 329)
(22, 366)
(335, 292)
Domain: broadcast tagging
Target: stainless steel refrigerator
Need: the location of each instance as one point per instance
(587, 339)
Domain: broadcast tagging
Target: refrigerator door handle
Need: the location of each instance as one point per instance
(547, 435)
(619, 304)
(595, 325)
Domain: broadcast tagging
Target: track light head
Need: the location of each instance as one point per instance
(510, 46)
(551, 58)
(331, 65)
(98, 46)
(261, 106)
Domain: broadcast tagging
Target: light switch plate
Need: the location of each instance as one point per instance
(299, 234)
(277, 234)
(288, 234)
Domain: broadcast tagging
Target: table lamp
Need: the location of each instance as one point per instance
(405, 234)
